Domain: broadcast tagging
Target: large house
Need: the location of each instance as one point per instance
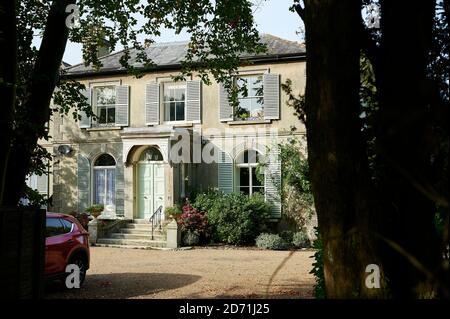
(155, 140)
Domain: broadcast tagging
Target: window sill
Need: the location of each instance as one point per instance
(104, 128)
(178, 124)
(249, 122)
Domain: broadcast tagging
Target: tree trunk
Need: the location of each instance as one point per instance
(40, 89)
(405, 142)
(337, 160)
(391, 224)
(8, 77)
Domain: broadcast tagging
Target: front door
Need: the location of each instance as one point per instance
(151, 187)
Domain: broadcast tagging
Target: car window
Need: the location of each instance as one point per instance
(67, 225)
(54, 227)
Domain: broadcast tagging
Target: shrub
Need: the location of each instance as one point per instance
(237, 218)
(191, 220)
(300, 240)
(191, 238)
(287, 235)
(271, 241)
(205, 201)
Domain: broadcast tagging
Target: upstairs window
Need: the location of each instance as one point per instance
(251, 98)
(174, 102)
(104, 98)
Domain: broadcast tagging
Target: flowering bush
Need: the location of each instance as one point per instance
(193, 221)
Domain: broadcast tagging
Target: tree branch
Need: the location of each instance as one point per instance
(300, 11)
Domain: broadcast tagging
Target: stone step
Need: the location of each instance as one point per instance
(140, 226)
(131, 242)
(137, 236)
(138, 231)
(141, 221)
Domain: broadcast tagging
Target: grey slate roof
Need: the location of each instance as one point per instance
(172, 53)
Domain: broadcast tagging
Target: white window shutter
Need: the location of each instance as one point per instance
(152, 103)
(193, 101)
(85, 121)
(272, 184)
(225, 109)
(225, 173)
(271, 96)
(42, 184)
(83, 182)
(122, 105)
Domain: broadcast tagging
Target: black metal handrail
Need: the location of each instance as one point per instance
(156, 219)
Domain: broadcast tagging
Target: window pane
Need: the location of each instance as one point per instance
(105, 160)
(111, 187)
(111, 115)
(67, 225)
(180, 111)
(244, 176)
(53, 227)
(151, 154)
(99, 186)
(255, 180)
(255, 87)
(174, 98)
(105, 95)
(245, 190)
(101, 115)
(172, 111)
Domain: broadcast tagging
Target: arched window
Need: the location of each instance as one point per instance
(105, 181)
(247, 178)
(151, 154)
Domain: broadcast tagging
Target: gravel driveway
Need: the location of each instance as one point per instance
(196, 273)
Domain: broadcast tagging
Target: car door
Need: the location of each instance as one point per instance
(55, 246)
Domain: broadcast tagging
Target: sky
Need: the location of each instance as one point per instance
(272, 16)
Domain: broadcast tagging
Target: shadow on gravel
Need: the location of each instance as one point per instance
(120, 286)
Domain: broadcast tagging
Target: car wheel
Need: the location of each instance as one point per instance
(80, 261)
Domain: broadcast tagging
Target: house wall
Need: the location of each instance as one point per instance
(91, 142)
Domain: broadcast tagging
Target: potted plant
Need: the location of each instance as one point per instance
(172, 212)
(95, 210)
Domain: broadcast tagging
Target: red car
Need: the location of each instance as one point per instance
(66, 243)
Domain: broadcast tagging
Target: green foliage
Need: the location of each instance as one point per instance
(300, 240)
(287, 235)
(295, 189)
(205, 201)
(296, 101)
(317, 271)
(172, 212)
(191, 238)
(237, 218)
(271, 241)
(95, 210)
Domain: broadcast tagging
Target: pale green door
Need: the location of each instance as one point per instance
(158, 187)
(150, 188)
